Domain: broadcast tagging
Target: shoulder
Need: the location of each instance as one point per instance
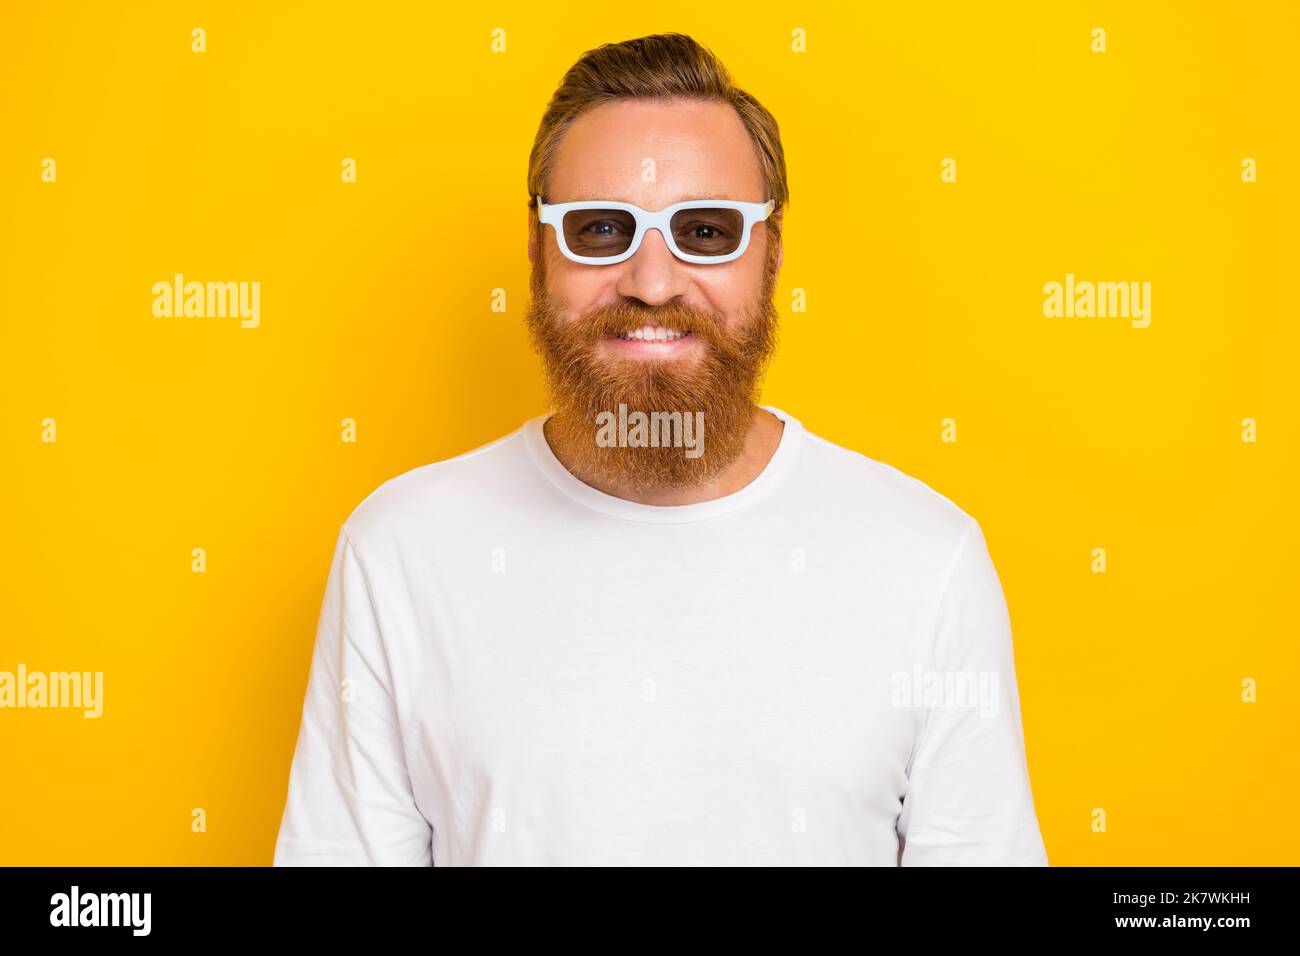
(884, 487)
(440, 494)
(905, 510)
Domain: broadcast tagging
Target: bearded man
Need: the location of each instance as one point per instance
(742, 645)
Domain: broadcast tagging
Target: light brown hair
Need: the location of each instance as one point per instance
(665, 66)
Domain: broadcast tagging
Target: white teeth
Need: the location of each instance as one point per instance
(653, 333)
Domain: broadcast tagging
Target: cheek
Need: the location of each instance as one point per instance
(732, 294)
(572, 288)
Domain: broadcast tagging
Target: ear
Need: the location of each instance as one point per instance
(532, 239)
(780, 244)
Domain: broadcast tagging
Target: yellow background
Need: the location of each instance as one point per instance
(924, 303)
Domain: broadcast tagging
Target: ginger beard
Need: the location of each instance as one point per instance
(719, 377)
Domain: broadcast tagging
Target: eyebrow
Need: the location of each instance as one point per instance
(596, 197)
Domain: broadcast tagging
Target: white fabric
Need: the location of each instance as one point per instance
(512, 667)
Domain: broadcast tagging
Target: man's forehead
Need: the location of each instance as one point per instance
(659, 153)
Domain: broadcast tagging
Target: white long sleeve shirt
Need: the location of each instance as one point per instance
(512, 667)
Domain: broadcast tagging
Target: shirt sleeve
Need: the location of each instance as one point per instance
(968, 800)
(350, 801)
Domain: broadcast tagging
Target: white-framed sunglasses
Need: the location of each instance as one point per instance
(600, 232)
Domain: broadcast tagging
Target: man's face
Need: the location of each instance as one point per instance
(654, 154)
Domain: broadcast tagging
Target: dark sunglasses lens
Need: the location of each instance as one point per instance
(708, 232)
(599, 232)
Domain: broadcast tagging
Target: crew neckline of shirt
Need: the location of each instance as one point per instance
(776, 469)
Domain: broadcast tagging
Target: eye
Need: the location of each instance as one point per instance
(603, 228)
(709, 230)
(705, 231)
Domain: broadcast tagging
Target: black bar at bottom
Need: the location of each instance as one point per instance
(333, 906)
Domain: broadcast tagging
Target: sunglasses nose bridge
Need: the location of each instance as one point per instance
(648, 222)
(661, 236)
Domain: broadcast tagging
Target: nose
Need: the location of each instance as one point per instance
(654, 275)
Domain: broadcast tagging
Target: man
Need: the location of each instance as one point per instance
(662, 625)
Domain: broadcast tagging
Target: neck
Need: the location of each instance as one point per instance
(761, 441)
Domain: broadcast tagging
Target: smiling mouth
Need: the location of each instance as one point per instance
(651, 333)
